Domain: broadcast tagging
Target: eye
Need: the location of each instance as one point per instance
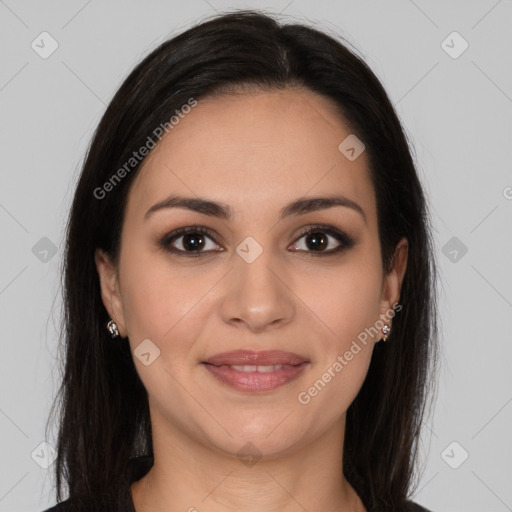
(317, 241)
(191, 241)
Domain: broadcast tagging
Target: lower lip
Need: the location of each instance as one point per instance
(255, 381)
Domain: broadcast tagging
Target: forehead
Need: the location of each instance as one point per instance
(254, 151)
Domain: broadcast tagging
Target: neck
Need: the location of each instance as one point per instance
(188, 475)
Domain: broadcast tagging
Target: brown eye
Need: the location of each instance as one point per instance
(321, 241)
(198, 241)
(317, 241)
(190, 241)
(193, 241)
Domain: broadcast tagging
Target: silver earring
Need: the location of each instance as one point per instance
(386, 330)
(112, 328)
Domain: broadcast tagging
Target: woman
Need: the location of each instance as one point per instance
(249, 284)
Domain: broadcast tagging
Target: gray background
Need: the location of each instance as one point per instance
(456, 111)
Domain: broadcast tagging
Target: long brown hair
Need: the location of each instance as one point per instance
(104, 414)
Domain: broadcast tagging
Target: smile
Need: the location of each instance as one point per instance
(255, 378)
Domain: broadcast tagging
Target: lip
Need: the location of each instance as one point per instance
(221, 367)
(251, 357)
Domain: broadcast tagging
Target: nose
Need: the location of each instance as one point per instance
(257, 296)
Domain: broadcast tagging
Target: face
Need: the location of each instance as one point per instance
(251, 279)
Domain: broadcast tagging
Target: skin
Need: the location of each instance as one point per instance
(256, 152)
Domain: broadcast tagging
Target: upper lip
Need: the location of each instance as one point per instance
(250, 357)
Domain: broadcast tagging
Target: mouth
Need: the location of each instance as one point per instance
(251, 371)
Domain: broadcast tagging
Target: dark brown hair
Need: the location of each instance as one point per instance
(104, 416)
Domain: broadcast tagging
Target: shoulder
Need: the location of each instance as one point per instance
(414, 507)
(69, 505)
(86, 505)
(407, 506)
(118, 501)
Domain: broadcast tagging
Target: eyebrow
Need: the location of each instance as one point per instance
(300, 206)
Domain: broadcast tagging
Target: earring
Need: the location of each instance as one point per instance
(386, 330)
(112, 328)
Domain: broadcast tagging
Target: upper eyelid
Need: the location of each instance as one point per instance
(178, 233)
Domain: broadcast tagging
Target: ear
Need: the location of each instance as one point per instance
(393, 281)
(110, 295)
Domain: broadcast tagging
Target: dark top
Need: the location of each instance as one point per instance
(137, 468)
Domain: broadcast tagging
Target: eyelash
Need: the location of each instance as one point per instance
(345, 240)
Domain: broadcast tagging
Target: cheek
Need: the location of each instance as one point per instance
(341, 303)
(164, 305)
(159, 299)
(342, 308)
(333, 388)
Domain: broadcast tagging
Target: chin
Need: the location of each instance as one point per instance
(267, 439)
(250, 449)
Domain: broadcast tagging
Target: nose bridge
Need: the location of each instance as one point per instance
(253, 270)
(256, 294)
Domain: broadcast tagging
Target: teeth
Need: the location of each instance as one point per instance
(256, 368)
